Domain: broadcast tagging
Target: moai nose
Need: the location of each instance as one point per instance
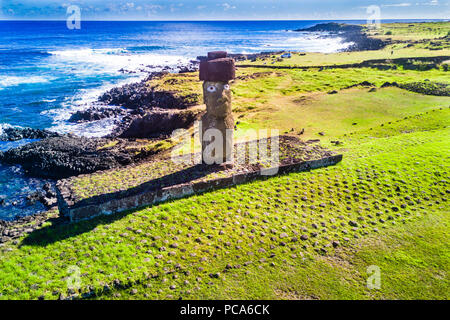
(224, 96)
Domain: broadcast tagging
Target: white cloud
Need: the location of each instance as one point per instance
(404, 4)
(226, 6)
(152, 9)
(431, 3)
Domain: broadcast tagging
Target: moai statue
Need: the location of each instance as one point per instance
(218, 122)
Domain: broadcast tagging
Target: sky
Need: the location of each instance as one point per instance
(224, 9)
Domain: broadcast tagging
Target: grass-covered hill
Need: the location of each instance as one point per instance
(306, 235)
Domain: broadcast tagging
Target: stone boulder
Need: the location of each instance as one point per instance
(157, 122)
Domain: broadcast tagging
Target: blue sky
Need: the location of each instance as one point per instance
(224, 9)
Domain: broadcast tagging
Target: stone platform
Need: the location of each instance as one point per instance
(162, 179)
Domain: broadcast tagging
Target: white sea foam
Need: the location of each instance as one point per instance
(113, 60)
(12, 81)
(311, 42)
(92, 129)
(4, 126)
(82, 101)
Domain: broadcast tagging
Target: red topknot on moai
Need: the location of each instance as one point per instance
(218, 123)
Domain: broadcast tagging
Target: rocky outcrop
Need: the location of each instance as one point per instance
(151, 111)
(15, 134)
(350, 33)
(333, 27)
(156, 122)
(131, 96)
(97, 113)
(142, 95)
(67, 156)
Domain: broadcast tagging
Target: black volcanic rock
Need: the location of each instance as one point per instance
(332, 27)
(66, 156)
(156, 122)
(138, 95)
(15, 134)
(141, 95)
(131, 96)
(96, 113)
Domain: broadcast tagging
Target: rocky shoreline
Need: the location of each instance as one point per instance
(350, 33)
(142, 112)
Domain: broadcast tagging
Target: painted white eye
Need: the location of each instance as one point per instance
(226, 87)
(211, 89)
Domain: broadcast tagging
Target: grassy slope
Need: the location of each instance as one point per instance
(393, 183)
(151, 242)
(337, 114)
(299, 99)
(324, 59)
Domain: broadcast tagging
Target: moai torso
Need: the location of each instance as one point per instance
(218, 120)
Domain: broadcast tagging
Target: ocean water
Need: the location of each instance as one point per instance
(47, 71)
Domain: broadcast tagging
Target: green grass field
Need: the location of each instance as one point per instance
(310, 235)
(412, 31)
